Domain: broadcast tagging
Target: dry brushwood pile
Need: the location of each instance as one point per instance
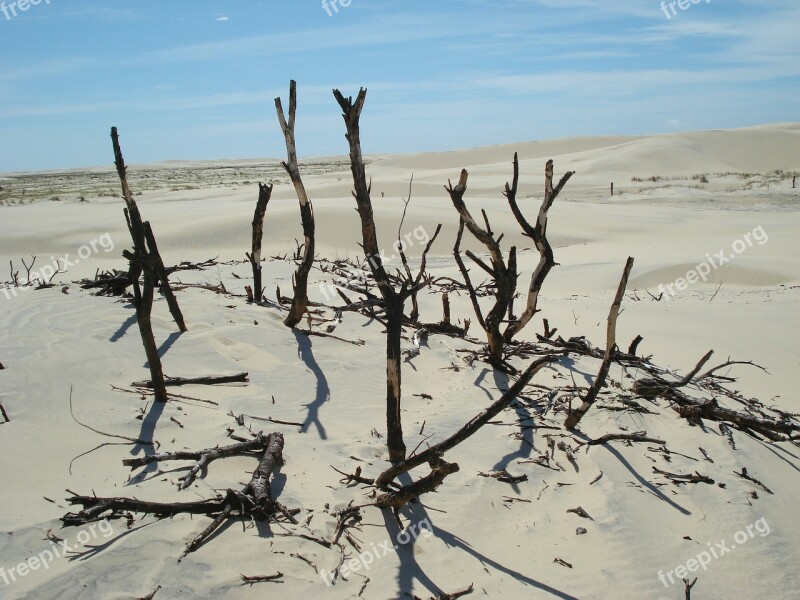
(537, 397)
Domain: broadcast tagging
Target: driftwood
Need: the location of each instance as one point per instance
(256, 293)
(254, 500)
(394, 299)
(744, 475)
(611, 340)
(300, 279)
(470, 428)
(654, 386)
(210, 380)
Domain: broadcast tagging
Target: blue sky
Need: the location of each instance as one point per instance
(196, 79)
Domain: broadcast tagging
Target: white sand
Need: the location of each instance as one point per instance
(55, 341)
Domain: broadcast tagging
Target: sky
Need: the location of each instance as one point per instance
(196, 79)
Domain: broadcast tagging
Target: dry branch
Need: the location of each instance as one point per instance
(203, 457)
(398, 498)
(628, 437)
(209, 380)
(611, 340)
(504, 274)
(470, 428)
(161, 273)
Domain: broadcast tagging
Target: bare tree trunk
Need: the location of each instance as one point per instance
(394, 426)
(611, 342)
(300, 281)
(140, 262)
(394, 300)
(254, 256)
(394, 303)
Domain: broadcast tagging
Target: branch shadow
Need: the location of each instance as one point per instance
(123, 329)
(306, 352)
(168, 343)
(644, 482)
(146, 434)
(525, 432)
(410, 568)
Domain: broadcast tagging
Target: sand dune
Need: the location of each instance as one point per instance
(502, 538)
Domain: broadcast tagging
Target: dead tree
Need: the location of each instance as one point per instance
(611, 345)
(504, 274)
(141, 263)
(538, 234)
(393, 299)
(256, 294)
(300, 279)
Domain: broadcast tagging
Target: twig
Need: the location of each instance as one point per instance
(630, 437)
(744, 475)
(251, 579)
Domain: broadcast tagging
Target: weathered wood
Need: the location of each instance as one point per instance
(679, 478)
(611, 341)
(254, 256)
(635, 345)
(470, 428)
(300, 279)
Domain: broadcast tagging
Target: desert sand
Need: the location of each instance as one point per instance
(678, 199)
